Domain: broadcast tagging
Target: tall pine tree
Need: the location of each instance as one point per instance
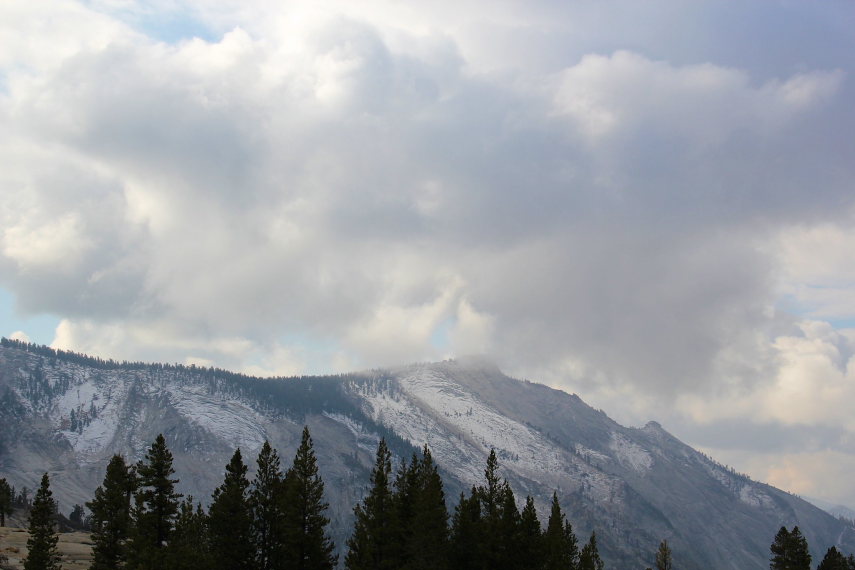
(426, 547)
(370, 547)
(499, 516)
(509, 533)
(41, 545)
(789, 551)
(531, 545)
(111, 515)
(466, 533)
(780, 550)
(230, 520)
(560, 547)
(189, 546)
(663, 556)
(156, 506)
(266, 504)
(307, 545)
(589, 558)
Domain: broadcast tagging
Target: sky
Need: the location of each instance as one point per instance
(651, 204)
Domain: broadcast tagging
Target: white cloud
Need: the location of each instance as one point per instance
(599, 204)
(703, 104)
(20, 335)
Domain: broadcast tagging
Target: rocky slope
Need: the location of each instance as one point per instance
(67, 414)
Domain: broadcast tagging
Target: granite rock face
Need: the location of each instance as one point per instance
(68, 414)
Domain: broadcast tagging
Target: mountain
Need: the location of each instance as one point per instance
(833, 508)
(66, 413)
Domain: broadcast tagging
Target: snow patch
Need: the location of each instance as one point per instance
(591, 455)
(231, 421)
(630, 454)
(752, 496)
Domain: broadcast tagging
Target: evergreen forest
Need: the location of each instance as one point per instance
(277, 521)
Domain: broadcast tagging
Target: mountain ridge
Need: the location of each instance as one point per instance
(67, 413)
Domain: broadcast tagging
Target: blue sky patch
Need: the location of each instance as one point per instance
(40, 328)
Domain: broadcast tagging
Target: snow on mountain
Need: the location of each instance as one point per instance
(629, 453)
(67, 414)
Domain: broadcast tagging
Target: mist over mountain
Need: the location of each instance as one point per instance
(68, 414)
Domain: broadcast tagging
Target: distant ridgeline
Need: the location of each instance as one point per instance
(295, 395)
(71, 415)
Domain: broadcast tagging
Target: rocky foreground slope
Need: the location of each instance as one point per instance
(67, 414)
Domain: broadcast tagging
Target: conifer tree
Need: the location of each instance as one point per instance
(111, 515)
(833, 560)
(156, 506)
(531, 547)
(800, 554)
(403, 512)
(780, 550)
(492, 492)
(427, 546)
(189, 545)
(41, 545)
(230, 520)
(560, 547)
(789, 551)
(663, 556)
(77, 516)
(370, 546)
(466, 533)
(5, 501)
(508, 533)
(307, 545)
(266, 506)
(499, 517)
(589, 558)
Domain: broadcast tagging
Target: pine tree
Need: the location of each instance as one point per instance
(403, 512)
(266, 506)
(77, 516)
(561, 549)
(492, 492)
(779, 549)
(189, 545)
(589, 558)
(531, 548)
(41, 545)
(370, 546)
(156, 506)
(111, 515)
(833, 560)
(789, 551)
(230, 520)
(307, 545)
(508, 533)
(499, 517)
(663, 556)
(427, 544)
(800, 554)
(5, 501)
(466, 533)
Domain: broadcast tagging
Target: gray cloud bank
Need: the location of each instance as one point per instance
(645, 203)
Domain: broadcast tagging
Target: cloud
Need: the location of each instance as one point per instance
(599, 205)
(19, 335)
(353, 180)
